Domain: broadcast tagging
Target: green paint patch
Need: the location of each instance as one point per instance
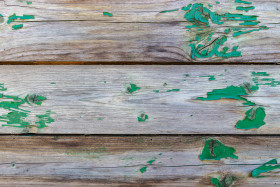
(165, 11)
(260, 74)
(156, 91)
(53, 83)
(232, 92)
(43, 119)
(215, 150)
(143, 117)
(187, 75)
(143, 169)
(244, 2)
(249, 23)
(99, 119)
(16, 27)
(173, 90)
(245, 8)
(235, 34)
(266, 168)
(226, 181)
(28, 2)
(132, 88)
(14, 17)
(152, 161)
(254, 119)
(107, 14)
(211, 77)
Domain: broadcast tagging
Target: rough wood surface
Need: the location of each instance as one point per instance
(117, 160)
(77, 31)
(95, 99)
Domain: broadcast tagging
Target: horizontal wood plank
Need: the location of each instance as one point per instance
(137, 99)
(117, 160)
(137, 32)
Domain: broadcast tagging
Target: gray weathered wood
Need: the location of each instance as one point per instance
(77, 31)
(94, 99)
(114, 161)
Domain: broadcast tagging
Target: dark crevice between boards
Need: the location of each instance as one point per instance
(142, 135)
(132, 63)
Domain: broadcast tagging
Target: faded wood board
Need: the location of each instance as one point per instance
(137, 32)
(97, 99)
(116, 160)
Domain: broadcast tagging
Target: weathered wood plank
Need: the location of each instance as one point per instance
(77, 31)
(97, 99)
(117, 161)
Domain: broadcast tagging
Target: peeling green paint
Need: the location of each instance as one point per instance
(201, 17)
(132, 88)
(211, 77)
(14, 17)
(266, 167)
(143, 117)
(16, 27)
(232, 92)
(254, 119)
(215, 150)
(244, 2)
(245, 8)
(53, 83)
(16, 116)
(43, 119)
(156, 91)
(143, 169)
(152, 161)
(173, 90)
(108, 14)
(165, 11)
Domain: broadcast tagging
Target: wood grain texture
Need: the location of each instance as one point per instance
(77, 31)
(117, 160)
(94, 99)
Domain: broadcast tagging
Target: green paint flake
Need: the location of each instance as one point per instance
(187, 75)
(107, 14)
(215, 150)
(231, 92)
(28, 2)
(16, 27)
(249, 23)
(254, 119)
(260, 74)
(235, 34)
(156, 91)
(132, 88)
(266, 167)
(14, 17)
(143, 117)
(143, 169)
(217, 2)
(165, 11)
(245, 8)
(244, 2)
(211, 77)
(173, 90)
(53, 83)
(99, 119)
(152, 161)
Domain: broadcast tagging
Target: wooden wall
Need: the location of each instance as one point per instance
(88, 99)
